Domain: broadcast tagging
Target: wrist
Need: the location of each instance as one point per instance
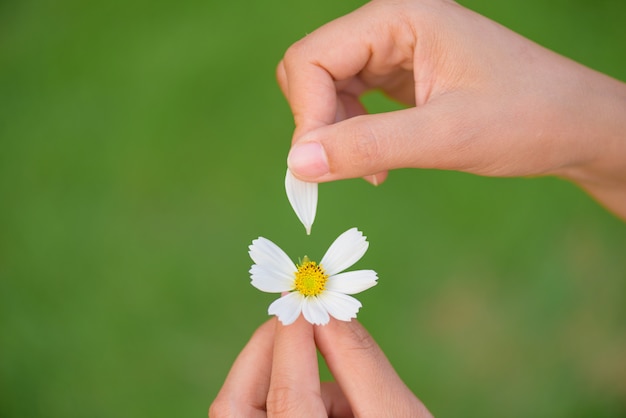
(601, 142)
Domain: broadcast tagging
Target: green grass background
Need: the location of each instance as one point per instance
(142, 148)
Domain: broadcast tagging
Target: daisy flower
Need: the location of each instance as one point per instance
(302, 196)
(319, 291)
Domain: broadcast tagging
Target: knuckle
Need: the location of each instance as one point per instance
(296, 51)
(365, 147)
(219, 409)
(282, 401)
(361, 340)
(280, 73)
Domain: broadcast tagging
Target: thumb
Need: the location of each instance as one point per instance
(366, 145)
(365, 376)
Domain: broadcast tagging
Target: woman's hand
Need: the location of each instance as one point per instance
(276, 375)
(481, 99)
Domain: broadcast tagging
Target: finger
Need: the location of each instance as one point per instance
(378, 178)
(281, 77)
(337, 406)
(294, 387)
(348, 105)
(310, 85)
(363, 146)
(447, 133)
(245, 390)
(315, 68)
(364, 374)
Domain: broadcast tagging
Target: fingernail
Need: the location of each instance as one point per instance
(373, 179)
(308, 159)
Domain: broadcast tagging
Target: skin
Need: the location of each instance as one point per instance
(480, 99)
(276, 375)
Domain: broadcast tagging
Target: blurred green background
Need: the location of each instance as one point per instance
(142, 148)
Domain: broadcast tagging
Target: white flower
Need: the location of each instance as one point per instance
(302, 196)
(316, 290)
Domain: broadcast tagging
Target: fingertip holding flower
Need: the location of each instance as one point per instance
(308, 158)
(302, 196)
(318, 291)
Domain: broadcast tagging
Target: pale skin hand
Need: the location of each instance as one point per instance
(482, 99)
(276, 375)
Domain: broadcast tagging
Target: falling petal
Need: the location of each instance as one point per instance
(347, 249)
(352, 282)
(287, 308)
(302, 196)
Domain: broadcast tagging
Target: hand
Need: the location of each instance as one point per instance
(276, 375)
(482, 99)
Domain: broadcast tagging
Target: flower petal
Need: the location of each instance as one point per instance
(269, 256)
(302, 196)
(340, 306)
(287, 308)
(269, 280)
(352, 282)
(314, 311)
(347, 249)
(274, 270)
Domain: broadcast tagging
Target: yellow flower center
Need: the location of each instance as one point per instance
(310, 278)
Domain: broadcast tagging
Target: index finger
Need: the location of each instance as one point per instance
(294, 386)
(245, 390)
(311, 66)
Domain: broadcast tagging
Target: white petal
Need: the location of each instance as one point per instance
(303, 198)
(271, 258)
(352, 282)
(314, 311)
(270, 281)
(287, 308)
(347, 249)
(340, 306)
